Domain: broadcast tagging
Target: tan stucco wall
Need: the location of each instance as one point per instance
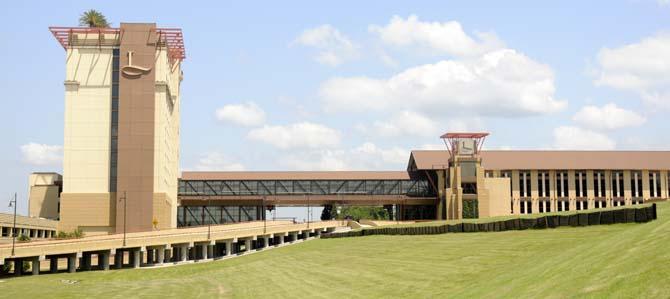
(87, 120)
(44, 201)
(94, 213)
(495, 201)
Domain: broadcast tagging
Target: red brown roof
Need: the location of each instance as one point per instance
(294, 175)
(584, 160)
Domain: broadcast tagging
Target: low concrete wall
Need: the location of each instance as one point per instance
(626, 215)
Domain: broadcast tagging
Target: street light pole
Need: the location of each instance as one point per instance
(125, 205)
(13, 202)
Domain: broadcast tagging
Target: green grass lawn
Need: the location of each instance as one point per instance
(622, 260)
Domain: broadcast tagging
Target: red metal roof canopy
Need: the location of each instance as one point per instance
(172, 37)
(464, 135)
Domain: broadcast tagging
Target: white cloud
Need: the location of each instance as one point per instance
(42, 154)
(407, 123)
(500, 83)
(367, 156)
(575, 138)
(248, 114)
(663, 2)
(214, 161)
(334, 47)
(642, 67)
(447, 37)
(413, 124)
(607, 117)
(299, 135)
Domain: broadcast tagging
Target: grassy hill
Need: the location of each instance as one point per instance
(622, 260)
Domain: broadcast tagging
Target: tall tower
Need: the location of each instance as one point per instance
(121, 141)
(464, 177)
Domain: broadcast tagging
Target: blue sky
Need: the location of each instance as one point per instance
(352, 85)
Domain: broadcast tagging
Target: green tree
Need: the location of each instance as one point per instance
(93, 18)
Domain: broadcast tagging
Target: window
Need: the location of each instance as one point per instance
(599, 204)
(636, 184)
(599, 184)
(525, 207)
(654, 184)
(114, 123)
(617, 184)
(636, 201)
(618, 202)
(582, 205)
(580, 184)
(562, 184)
(543, 184)
(468, 168)
(562, 205)
(488, 174)
(469, 188)
(544, 206)
(524, 184)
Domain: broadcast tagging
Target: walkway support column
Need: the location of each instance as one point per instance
(35, 265)
(18, 267)
(118, 258)
(266, 241)
(247, 245)
(136, 256)
(160, 255)
(229, 247)
(103, 260)
(184, 253)
(53, 264)
(72, 263)
(210, 251)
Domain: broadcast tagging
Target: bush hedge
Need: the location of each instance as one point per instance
(627, 215)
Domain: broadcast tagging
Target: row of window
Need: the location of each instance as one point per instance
(320, 187)
(204, 215)
(544, 206)
(6, 232)
(561, 188)
(114, 123)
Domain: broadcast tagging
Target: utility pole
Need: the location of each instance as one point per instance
(125, 205)
(13, 203)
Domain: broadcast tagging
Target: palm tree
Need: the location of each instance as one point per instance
(93, 18)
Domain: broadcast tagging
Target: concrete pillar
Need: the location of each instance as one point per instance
(210, 251)
(35, 265)
(203, 251)
(266, 241)
(229, 248)
(184, 253)
(160, 255)
(150, 256)
(85, 262)
(103, 260)
(18, 267)
(136, 257)
(72, 263)
(53, 264)
(317, 232)
(280, 239)
(294, 237)
(118, 259)
(247, 245)
(646, 187)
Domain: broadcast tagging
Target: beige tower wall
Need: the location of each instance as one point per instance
(43, 196)
(166, 140)
(495, 200)
(85, 201)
